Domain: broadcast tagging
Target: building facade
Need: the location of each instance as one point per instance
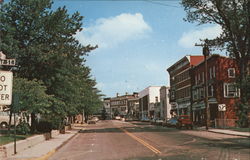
(119, 105)
(180, 84)
(147, 100)
(133, 107)
(106, 107)
(222, 92)
(164, 103)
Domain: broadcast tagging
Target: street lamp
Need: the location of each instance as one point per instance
(207, 113)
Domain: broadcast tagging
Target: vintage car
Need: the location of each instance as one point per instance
(184, 121)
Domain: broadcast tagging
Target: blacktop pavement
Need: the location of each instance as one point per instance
(46, 149)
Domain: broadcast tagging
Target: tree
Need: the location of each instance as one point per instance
(42, 41)
(234, 18)
(32, 98)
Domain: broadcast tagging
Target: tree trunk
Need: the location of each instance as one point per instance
(86, 117)
(243, 74)
(33, 123)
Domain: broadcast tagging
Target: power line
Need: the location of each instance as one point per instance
(157, 2)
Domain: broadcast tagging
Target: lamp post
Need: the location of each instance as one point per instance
(207, 113)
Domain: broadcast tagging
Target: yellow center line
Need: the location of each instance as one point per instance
(142, 142)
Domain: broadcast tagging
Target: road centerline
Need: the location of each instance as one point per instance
(145, 144)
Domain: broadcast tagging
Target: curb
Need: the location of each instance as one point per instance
(230, 134)
(50, 153)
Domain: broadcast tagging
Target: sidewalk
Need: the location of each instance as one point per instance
(225, 131)
(230, 132)
(44, 150)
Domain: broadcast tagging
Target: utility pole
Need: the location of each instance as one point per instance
(206, 53)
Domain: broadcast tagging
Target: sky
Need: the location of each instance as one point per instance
(137, 41)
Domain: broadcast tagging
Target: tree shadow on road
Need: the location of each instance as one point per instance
(130, 129)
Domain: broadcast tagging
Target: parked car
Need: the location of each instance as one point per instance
(156, 121)
(93, 120)
(4, 119)
(172, 122)
(184, 121)
(145, 119)
(117, 117)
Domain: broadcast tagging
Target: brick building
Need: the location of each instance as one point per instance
(180, 84)
(221, 78)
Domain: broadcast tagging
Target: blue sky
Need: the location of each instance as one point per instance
(138, 41)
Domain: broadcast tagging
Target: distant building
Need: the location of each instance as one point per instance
(133, 107)
(119, 105)
(164, 103)
(147, 100)
(106, 107)
(223, 94)
(180, 84)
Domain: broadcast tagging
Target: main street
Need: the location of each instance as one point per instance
(115, 140)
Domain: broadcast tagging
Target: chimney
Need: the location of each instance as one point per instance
(117, 94)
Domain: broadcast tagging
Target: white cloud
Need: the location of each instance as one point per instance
(109, 32)
(189, 38)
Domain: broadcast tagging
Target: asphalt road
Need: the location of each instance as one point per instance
(117, 140)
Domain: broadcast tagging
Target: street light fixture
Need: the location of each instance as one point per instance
(207, 113)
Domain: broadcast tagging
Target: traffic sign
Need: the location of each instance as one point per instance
(222, 107)
(6, 80)
(8, 62)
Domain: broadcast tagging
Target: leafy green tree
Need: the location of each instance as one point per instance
(32, 98)
(43, 43)
(234, 18)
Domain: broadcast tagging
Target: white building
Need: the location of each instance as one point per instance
(165, 106)
(147, 99)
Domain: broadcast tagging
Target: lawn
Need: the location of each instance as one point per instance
(4, 139)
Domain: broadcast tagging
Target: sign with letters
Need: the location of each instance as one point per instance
(8, 62)
(6, 80)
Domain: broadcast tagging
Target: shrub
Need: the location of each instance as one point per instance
(23, 128)
(44, 126)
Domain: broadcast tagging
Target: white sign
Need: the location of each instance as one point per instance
(8, 62)
(222, 107)
(6, 80)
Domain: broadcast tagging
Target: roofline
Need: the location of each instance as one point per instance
(211, 56)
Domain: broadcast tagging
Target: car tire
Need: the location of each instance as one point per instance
(4, 125)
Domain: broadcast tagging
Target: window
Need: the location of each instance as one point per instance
(123, 108)
(195, 95)
(230, 90)
(231, 73)
(214, 71)
(203, 77)
(210, 91)
(202, 93)
(172, 95)
(210, 73)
